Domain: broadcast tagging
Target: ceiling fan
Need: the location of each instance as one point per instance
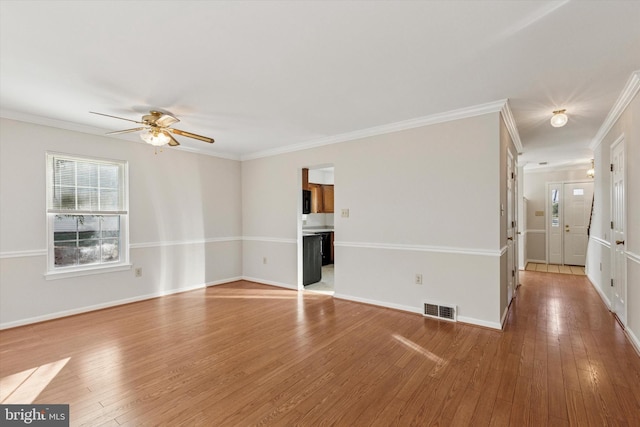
(157, 129)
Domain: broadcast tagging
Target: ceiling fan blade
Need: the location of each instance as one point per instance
(173, 142)
(117, 132)
(166, 120)
(116, 117)
(191, 135)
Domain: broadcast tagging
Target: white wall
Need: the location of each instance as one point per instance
(409, 199)
(535, 189)
(628, 126)
(185, 223)
(199, 220)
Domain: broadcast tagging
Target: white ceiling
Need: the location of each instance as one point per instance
(260, 76)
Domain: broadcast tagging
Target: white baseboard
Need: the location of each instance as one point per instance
(634, 340)
(66, 313)
(269, 282)
(461, 319)
(600, 292)
(379, 303)
(537, 261)
(504, 316)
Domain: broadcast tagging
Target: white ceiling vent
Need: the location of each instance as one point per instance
(439, 311)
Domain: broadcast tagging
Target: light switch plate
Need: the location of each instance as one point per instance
(345, 213)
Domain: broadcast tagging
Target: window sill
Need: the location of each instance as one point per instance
(55, 275)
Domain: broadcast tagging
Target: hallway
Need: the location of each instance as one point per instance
(560, 329)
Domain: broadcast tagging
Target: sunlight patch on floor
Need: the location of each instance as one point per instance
(415, 347)
(25, 387)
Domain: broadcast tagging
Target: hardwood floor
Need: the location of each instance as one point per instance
(248, 354)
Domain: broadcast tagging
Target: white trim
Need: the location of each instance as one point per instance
(504, 316)
(584, 164)
(86, 270)
(478, 322)
(626, 96)
(416, 310)
(503, 250)
(634, 340)
(22, 254)
(420, 248)
(115, 303)
(269, 239)
(633, 256)
(378, 303)
(269, 282)
(462, 113)
(510, 123)
(601, 241)
(535, 231)
(43, 252)
(535, 261)
(184, 242)
(603, 296)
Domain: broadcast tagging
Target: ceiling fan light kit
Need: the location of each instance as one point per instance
(155, 137)
(157, 129)
(559, 118)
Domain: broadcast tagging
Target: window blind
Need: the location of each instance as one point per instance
(81, 186)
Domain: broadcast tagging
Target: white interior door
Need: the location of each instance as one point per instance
(511, 269)
(618, 244)
(577, 210)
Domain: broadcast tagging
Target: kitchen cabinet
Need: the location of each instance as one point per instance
(321, 198)
(321, 194)
(327, 198)
(316, 198)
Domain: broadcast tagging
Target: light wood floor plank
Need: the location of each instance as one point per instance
(246, 354)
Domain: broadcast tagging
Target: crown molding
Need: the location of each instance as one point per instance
(626, 96)
(510, 122)
(462, 113)
(62, 124)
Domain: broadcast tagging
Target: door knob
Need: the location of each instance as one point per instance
(509, 238)
(567, 230)
(619, 242)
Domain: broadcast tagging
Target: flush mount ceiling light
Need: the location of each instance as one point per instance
(559, 118)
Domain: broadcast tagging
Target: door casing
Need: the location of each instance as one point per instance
(618, 228)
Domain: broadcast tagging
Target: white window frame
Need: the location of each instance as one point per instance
(54, 272)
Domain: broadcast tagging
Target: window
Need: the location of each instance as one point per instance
(555, 206)
(86, 215)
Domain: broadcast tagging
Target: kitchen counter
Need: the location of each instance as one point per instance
(317, 230)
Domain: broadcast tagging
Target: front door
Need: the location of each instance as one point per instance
(577, 210)
(618, 232)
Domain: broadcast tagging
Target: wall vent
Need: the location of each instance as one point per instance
(439, 311)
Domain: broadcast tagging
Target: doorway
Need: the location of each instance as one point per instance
(316, 228)
(568, 215)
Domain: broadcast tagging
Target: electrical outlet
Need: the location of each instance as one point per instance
(138, 272)
(418, 279)
(345, 213)
(264, 260)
